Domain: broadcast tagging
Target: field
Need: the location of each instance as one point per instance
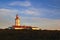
(29, 34)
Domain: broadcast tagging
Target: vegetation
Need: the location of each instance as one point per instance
(29, 34)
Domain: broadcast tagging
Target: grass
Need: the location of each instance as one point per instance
(6, 34)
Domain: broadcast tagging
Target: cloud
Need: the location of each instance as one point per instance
(6, 12)
(42, 12)
(20, 3)
(6, 17)
(31, 11)
(43, 23)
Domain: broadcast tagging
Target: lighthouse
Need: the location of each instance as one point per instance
(17, 20)
(17, 24)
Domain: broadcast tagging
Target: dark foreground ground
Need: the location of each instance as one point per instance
(29, 35)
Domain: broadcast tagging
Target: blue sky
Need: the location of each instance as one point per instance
(41, 13)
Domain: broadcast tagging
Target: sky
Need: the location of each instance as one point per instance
(44, 14)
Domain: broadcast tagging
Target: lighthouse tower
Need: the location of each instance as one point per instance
(17, 20)
(17, 24)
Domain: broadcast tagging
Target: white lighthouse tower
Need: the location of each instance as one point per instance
(17, 20)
